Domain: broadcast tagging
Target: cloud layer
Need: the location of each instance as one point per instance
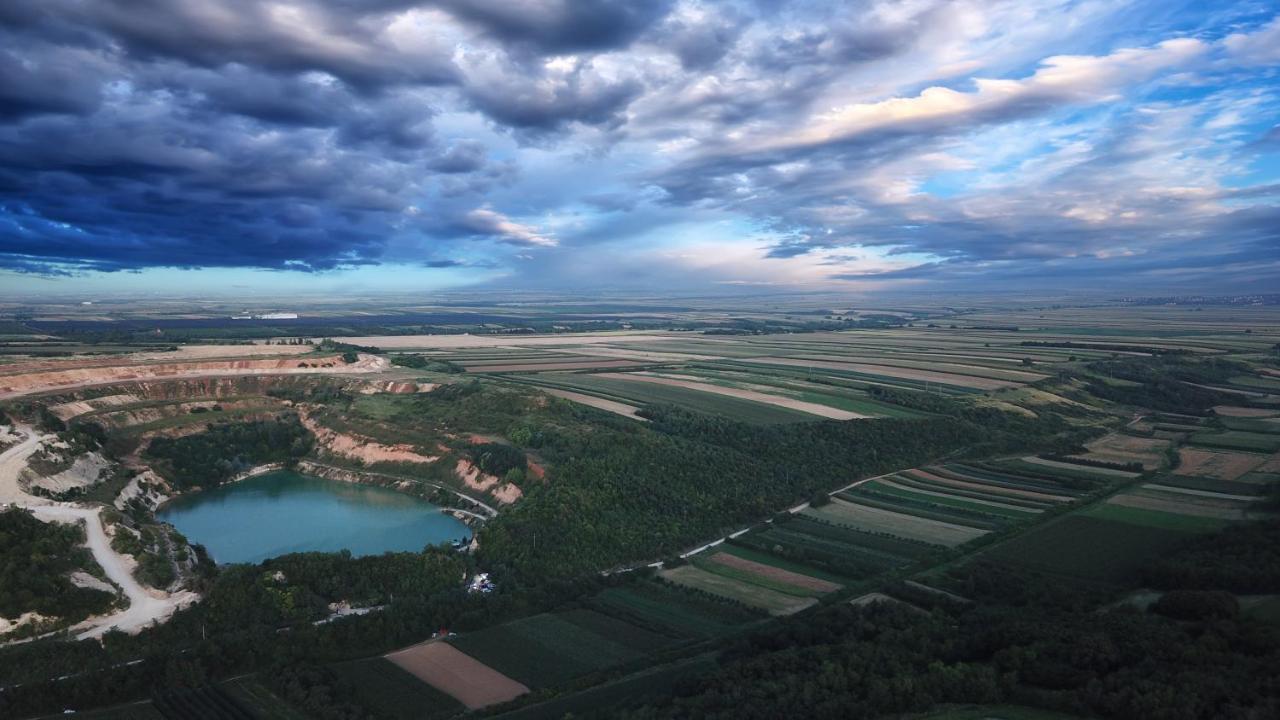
(610, 143)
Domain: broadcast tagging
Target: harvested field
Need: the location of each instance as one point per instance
(771, 601)
(1218, 465)
(1272, 465)
(741, 394)
(875, 520)
(596, 402)
(1118, 448)
(914, 491)
(966, 381)
(774, 573)
(457, 674)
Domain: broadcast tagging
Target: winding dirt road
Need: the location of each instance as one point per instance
(145, 606)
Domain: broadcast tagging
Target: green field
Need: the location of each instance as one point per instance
(771, 601)
(671, 610)
(392, 693)
(1088, 547)
(1156, 518)
(550, 649)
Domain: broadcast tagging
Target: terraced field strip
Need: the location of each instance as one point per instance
(768, 558)
(828, 394)
(642, 393)
(777, 577)
(1205, 505)
(1090, 469)
(597, 402)
(1238, 440)
(552, 365)
(848, 378)
(961, 381)
(671, 610)
(953, 477)
(926, 509)
(771, 601)
(919, 484)
(877, 520)
(457, 674)
(935, 365)
(744, 394)
(890, 487)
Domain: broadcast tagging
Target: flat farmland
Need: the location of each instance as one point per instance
(877, 520)
(768, 575)
(395, 693)
(811, 408)
(1088, 548)
(771, 601)
(1121, 449)
(549, 649)
(457, 674)
(1217, 465)
(641, 393)
(671, 610)
(599, 403)
(933, 376)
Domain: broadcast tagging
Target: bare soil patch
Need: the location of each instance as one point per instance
(1118, 448)
(61, 378)
(354, 446)
(453, 672)
(774, 573)
(1217, 465)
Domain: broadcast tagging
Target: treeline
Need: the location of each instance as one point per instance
(36, 561)
(1025, 639)
(1165, 383)
(206, 459)
(423, 362)
(625, 493)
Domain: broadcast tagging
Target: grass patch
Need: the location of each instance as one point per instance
(1156, 518)
(1087, 547)
(393, 693)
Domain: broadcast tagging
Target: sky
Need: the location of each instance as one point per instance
(659, 145)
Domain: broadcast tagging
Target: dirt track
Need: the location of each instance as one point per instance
(145, 606)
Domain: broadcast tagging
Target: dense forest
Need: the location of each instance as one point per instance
(211, 457)
(36, 561)
(625, 493)
(1025, 639)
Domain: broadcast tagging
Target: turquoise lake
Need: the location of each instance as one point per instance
(285, 512)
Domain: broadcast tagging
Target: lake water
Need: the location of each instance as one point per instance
(284, 512)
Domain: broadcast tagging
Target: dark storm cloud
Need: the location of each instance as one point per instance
(562, 26)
